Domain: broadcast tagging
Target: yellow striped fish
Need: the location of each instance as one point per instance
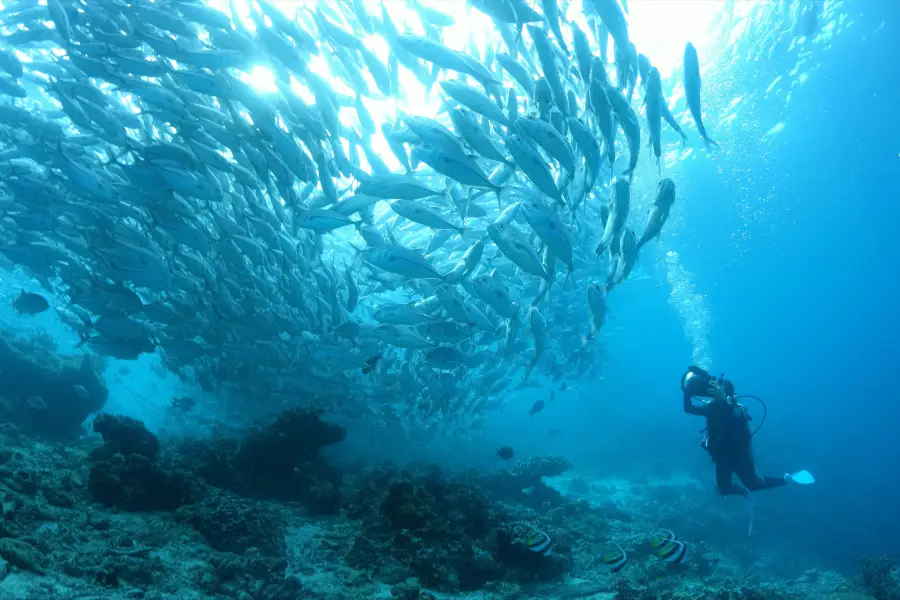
(667, 547)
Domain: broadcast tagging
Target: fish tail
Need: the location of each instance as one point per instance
(82, 341)
(445, 193)
(358, 250)
(709, 143)
(518, 34)
(528, 369)
(585, 339)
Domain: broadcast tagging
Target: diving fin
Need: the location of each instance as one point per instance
(801, 477)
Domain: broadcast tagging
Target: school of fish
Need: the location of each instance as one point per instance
(261, 242)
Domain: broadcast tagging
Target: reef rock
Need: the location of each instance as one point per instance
(125, 472)
(124, 435)
(445, 533)
(280, 461)
(44, 393)
(21, 555)
(525, 482)
(230, 523)
(881, 577)
(136, 483)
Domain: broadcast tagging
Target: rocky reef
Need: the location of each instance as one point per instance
(444, 532)
(524, 483)
(127, 513)
(43, 393)
(126, 473)
(280, 461)
(881, 578)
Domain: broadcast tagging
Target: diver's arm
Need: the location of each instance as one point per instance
(693, 409)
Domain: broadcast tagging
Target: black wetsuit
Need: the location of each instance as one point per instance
(728, 443)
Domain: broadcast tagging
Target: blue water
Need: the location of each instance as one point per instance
(790, 242)
(803, 300)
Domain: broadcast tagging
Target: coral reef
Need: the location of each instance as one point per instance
(280, 462)
(44, 393)
(125, 473)
(537, 467)
(881, 578)
(230, 523)
(412, 533)
(21, 554)
(525, 482)
(408, 591)
(135, 482)
(444, 532)
(124, 435)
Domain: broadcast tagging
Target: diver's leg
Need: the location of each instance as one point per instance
(724, 471)
(746, 472)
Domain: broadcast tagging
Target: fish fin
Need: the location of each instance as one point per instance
(710, 143)
(82, 341)
(358, 250)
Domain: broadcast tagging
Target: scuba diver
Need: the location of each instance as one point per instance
(728, 436)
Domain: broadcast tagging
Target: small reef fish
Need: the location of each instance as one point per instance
(540, 543)
(615, 561)
(667, 547)
(505, 452)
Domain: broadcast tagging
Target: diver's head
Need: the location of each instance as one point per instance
(728, 388)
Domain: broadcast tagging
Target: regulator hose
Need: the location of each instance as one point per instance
(765, 410)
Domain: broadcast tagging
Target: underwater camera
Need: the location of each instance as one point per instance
(695, 382)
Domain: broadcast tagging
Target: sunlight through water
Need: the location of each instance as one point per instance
(661, 28)
(720, 31)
